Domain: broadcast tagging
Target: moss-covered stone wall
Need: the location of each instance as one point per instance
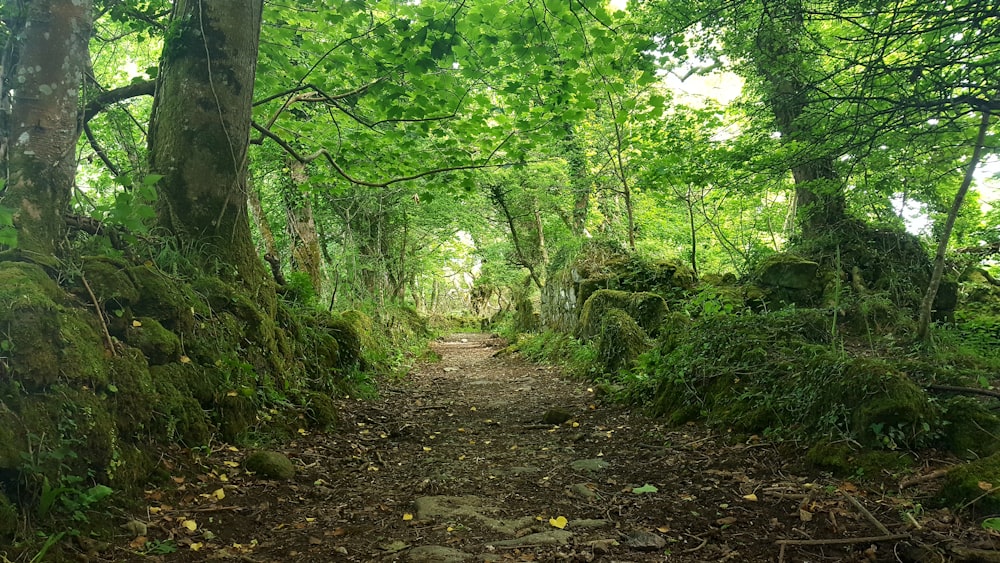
(100, 371)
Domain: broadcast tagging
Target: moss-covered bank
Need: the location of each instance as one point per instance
(100, 373)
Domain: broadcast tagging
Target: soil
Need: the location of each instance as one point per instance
(455, 463)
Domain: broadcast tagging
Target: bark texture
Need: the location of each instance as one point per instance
(43, 72)
(200, 132)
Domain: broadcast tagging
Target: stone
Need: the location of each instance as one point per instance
(556, 416)
(270, 465)
(581, 490)
(589, 465)
(641, 540)
(436, 554)
(788, 271)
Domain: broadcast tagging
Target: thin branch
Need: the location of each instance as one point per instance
(110, 97)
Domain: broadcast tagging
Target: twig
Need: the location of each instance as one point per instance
(964, 390)
(100, 314)
(704, 542)
(845, 541)
(867, 514)
(917, 479)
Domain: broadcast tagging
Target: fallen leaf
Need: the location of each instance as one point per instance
(727, 521)
(196, 546)
(427, 448)
(224, 478)
(219, 494)
(191, 525)
(407, 516)
(663, 529)
(185, 360)
(647, 488)
(559, 522)
(178, 480)
(986, 486)
(751, 497)
(805, 515)
(313, 540)
(136, 323)
(230, 464)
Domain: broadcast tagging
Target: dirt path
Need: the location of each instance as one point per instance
(455, 464)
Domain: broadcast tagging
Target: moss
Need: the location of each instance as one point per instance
(133, 393)
(235, 413)
(894, 412)
(620, 340)
(177, 415)
(647, 309)
(108, 279)
(9, 518)
(82, 353)
(320, 410)
(964, 486)
(526, 319)
(587, 287)
(132, 468)
(844, 461)
(271, 465)
(23, 284)
(158, 344)
(165, 299)
(970, 428)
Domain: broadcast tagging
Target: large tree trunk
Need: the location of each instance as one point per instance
(44, 63)
(303, 239)
(819, 193)
(200, 131)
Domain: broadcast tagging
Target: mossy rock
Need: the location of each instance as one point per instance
(23, 284)
(178, 416)
(894, 411)
(526, 319)
(320, 410)
(158, 344)
(970, 429)
(844, 461)
(363, 325)
(9, 518)
(133, 468)
(787, 271)
(963, 486)
(588, 286)
(83, 352)
(165, 299)
(270, 465)
(647, 309)
(130, 391)
(620, 340)
(235, 413)
(109, 280)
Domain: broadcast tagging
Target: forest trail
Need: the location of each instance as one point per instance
(454, 463)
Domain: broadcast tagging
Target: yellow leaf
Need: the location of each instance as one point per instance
(302, 431)
(233, 449)
(185, 360)
(191, 525)
(230, 464)
(407, 516)
(154, 509)
(219, 494)
(310, 519)
(986, 486)
(224, 478)
(751, 497)
(136, 323)
(196, 546)
(663, 529)
(559, 522)
(472, 409)
(427, 448)
(576, 425)
(231, 393)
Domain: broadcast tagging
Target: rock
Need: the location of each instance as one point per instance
(556, 416)
(270, 465)
(641, 540)
(788, 271)
(436, 554)
(553, 537)
(581, 490)
(589, 465)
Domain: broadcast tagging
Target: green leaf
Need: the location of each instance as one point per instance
(992, 524)
(647, 488)
(151, 179)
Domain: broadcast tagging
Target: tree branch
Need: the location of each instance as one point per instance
(134, 90)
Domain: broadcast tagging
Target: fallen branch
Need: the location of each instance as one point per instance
(964, 390)
(844, 541)
(917, 479)
(874, 521)
(100, 315)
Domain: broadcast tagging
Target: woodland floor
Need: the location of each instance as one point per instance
(453, 463)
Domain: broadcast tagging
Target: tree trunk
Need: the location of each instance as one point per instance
(304, 240)
(927, 305)
(200, 131)
(48, 55)
(819, 193)
(579, 182)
